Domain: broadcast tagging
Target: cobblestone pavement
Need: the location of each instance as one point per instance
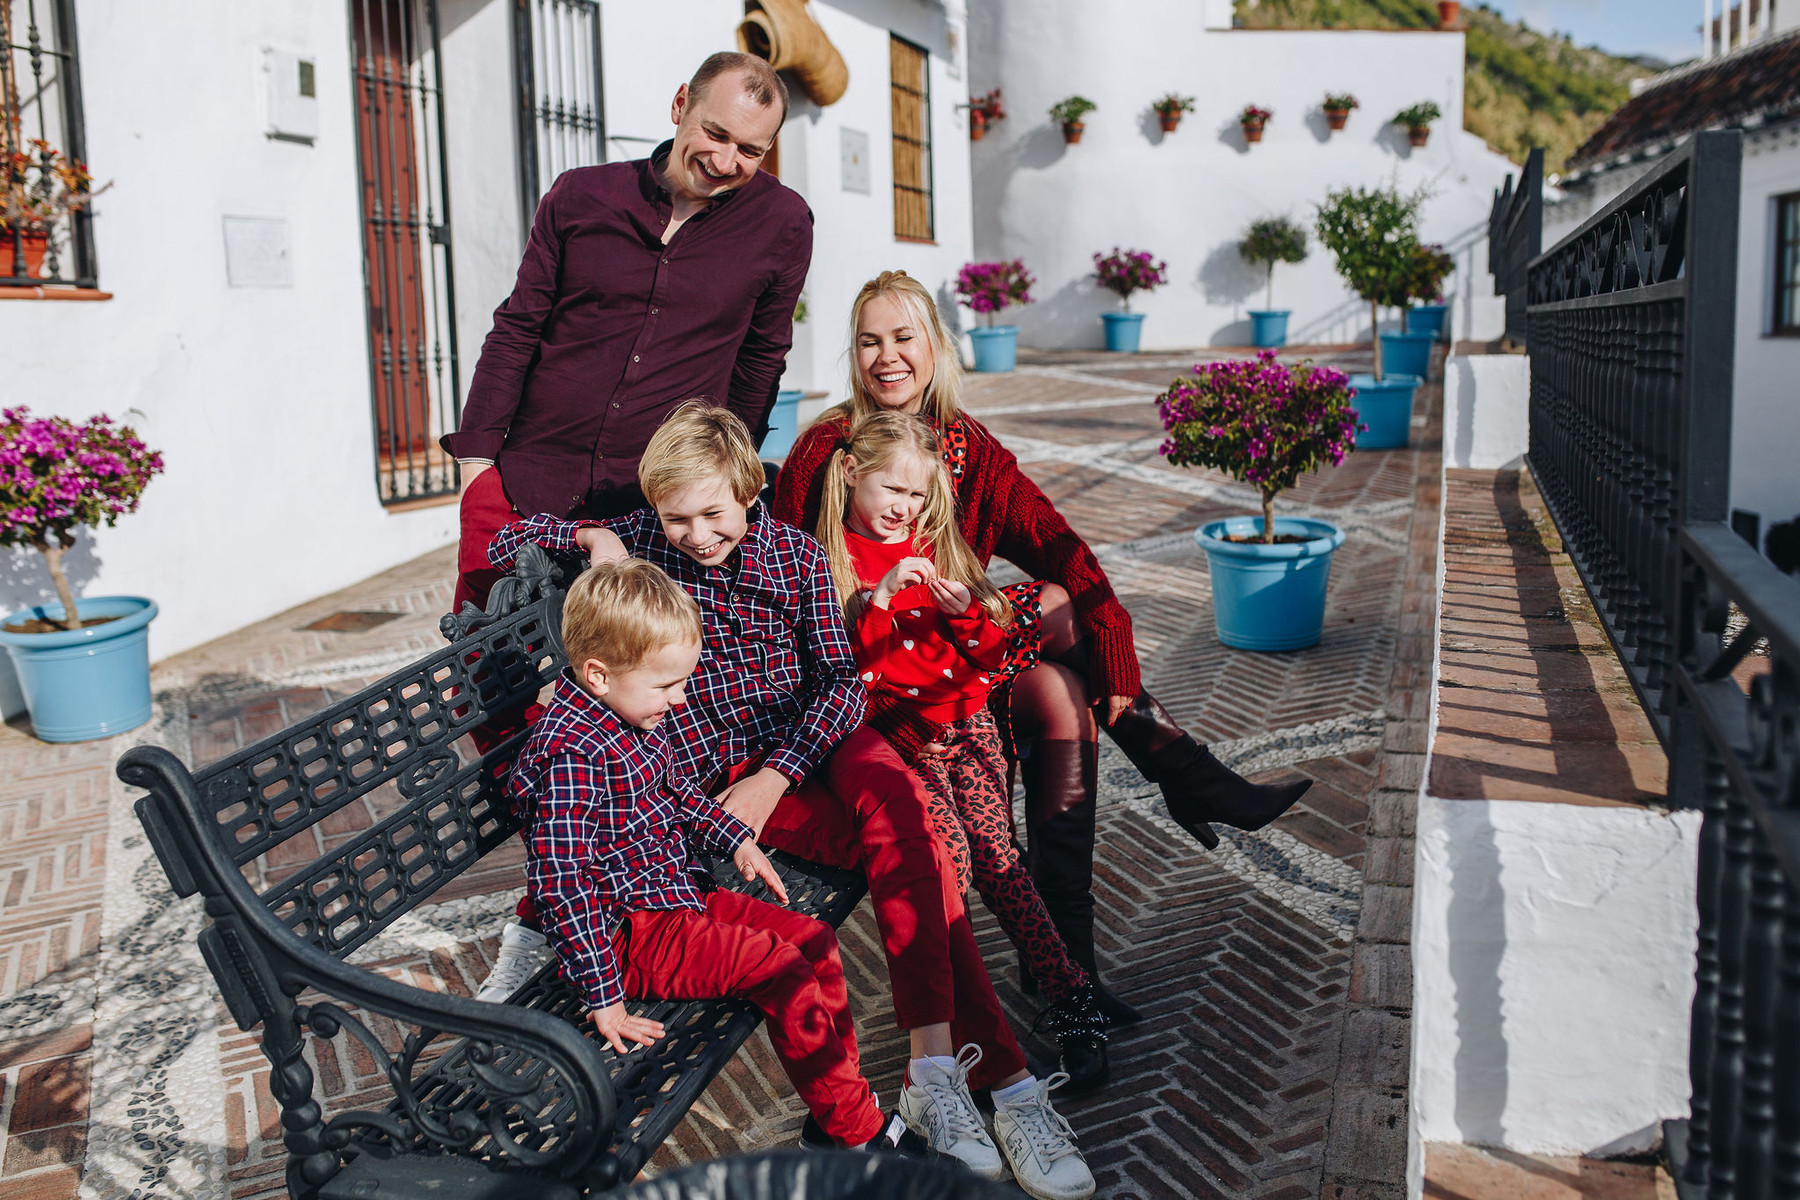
(1275, 971)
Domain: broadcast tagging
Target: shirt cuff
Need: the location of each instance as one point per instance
(472, 444)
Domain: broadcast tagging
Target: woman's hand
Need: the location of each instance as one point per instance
(601, 544)
(906, 573)
(753, 864)
(1112, 707)
(952, 597)
(616, 1025)
(754, 797)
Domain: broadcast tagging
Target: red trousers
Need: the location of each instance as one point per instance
(784, 963)
(864, 809)
(485, 511)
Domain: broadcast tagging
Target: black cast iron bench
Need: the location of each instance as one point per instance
(488, 1100)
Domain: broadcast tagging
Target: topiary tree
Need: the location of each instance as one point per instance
(1373, 234)
(1431, 265)
(1274, 240)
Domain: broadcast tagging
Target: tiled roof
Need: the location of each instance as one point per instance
(1746, 87)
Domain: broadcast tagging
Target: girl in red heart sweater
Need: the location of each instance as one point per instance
(927, 630)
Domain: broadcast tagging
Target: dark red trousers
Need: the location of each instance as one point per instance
(485, 511)
(863, 808)
(784, 963)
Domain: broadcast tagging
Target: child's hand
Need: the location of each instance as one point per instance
(906, 573)
(602, 545)
(753, 864)
(615, 1025)
(952, 597)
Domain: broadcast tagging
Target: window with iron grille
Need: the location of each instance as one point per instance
(909, 71)
(1787, 264)
(400, 158)
(42, 148)
(562, 117)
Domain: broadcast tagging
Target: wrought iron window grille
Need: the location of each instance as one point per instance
(1785, 312)
(407, 252)
(41, 111)
(562, 108)
(910, 72)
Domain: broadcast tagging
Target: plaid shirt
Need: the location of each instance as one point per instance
(777, 681)
(610, 831)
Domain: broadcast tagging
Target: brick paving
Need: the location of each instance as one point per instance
(1276, 970)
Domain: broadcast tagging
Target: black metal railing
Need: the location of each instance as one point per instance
(1515, 237)
(562, 113)
(411, 298)
(41, 118)
(1630, 327)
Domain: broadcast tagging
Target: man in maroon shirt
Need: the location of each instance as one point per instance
(643, 284)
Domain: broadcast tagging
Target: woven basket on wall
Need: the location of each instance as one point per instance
(784, 33)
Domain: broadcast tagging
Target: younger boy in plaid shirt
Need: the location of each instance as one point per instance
(608, 866)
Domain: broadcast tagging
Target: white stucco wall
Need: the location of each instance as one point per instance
(1553, 970)
(1765, 425)
(1487, 401)
(257, 397)
(1188, 196)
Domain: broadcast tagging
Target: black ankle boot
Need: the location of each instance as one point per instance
(1079, 1028)
(1198, 788)
(1060, 778)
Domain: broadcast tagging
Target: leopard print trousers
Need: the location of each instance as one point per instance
(972, 811)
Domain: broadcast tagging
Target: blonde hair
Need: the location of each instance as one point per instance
(622, 612)
(943, 393)
(696, 441)
(871, 445)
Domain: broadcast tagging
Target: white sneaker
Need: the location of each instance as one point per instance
(1040, 1146)
(936, 1104)
(522, 952)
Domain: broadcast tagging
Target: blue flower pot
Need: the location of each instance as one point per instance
(1427, 318)
(1269, 597)
(1386, 408)
(1123, 331)
(784, 423)
(996, 349)
(1268, 329)
(1407, 353)
(82, 684)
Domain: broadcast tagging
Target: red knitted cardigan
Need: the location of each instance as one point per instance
(1001, 512)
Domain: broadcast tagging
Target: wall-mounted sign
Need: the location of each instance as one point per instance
(256, 253)
(853, 155)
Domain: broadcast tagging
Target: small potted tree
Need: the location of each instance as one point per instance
(1169, 109)
(84, 669)
(1417, 120)
(1265, 424)
(1123, 272)
(983, 111)
(1269, 241)
(1431, 266)
(40, 189)
(1252, 120)
(989, 288)
(1068, 112)
(1337, 108)
(1372, 233)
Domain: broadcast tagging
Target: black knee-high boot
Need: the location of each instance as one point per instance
(1060, 778)
(1198, 788)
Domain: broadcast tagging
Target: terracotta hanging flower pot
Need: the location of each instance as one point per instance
(1418, 135)
(35, 246)
(1335, 118)
(977, 124)
(1449, 13)
(1072, 131)
(1168, 121)
(1253, 131)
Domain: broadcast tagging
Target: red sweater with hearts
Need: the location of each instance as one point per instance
(914, 654)
(1000, 512)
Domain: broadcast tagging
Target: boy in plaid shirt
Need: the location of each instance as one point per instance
(608, 866)
(773, 729)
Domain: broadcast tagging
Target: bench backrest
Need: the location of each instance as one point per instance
(365, 809)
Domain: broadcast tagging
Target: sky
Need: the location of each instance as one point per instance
(1669, 29)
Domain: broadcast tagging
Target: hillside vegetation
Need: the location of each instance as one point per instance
(1522, 88)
